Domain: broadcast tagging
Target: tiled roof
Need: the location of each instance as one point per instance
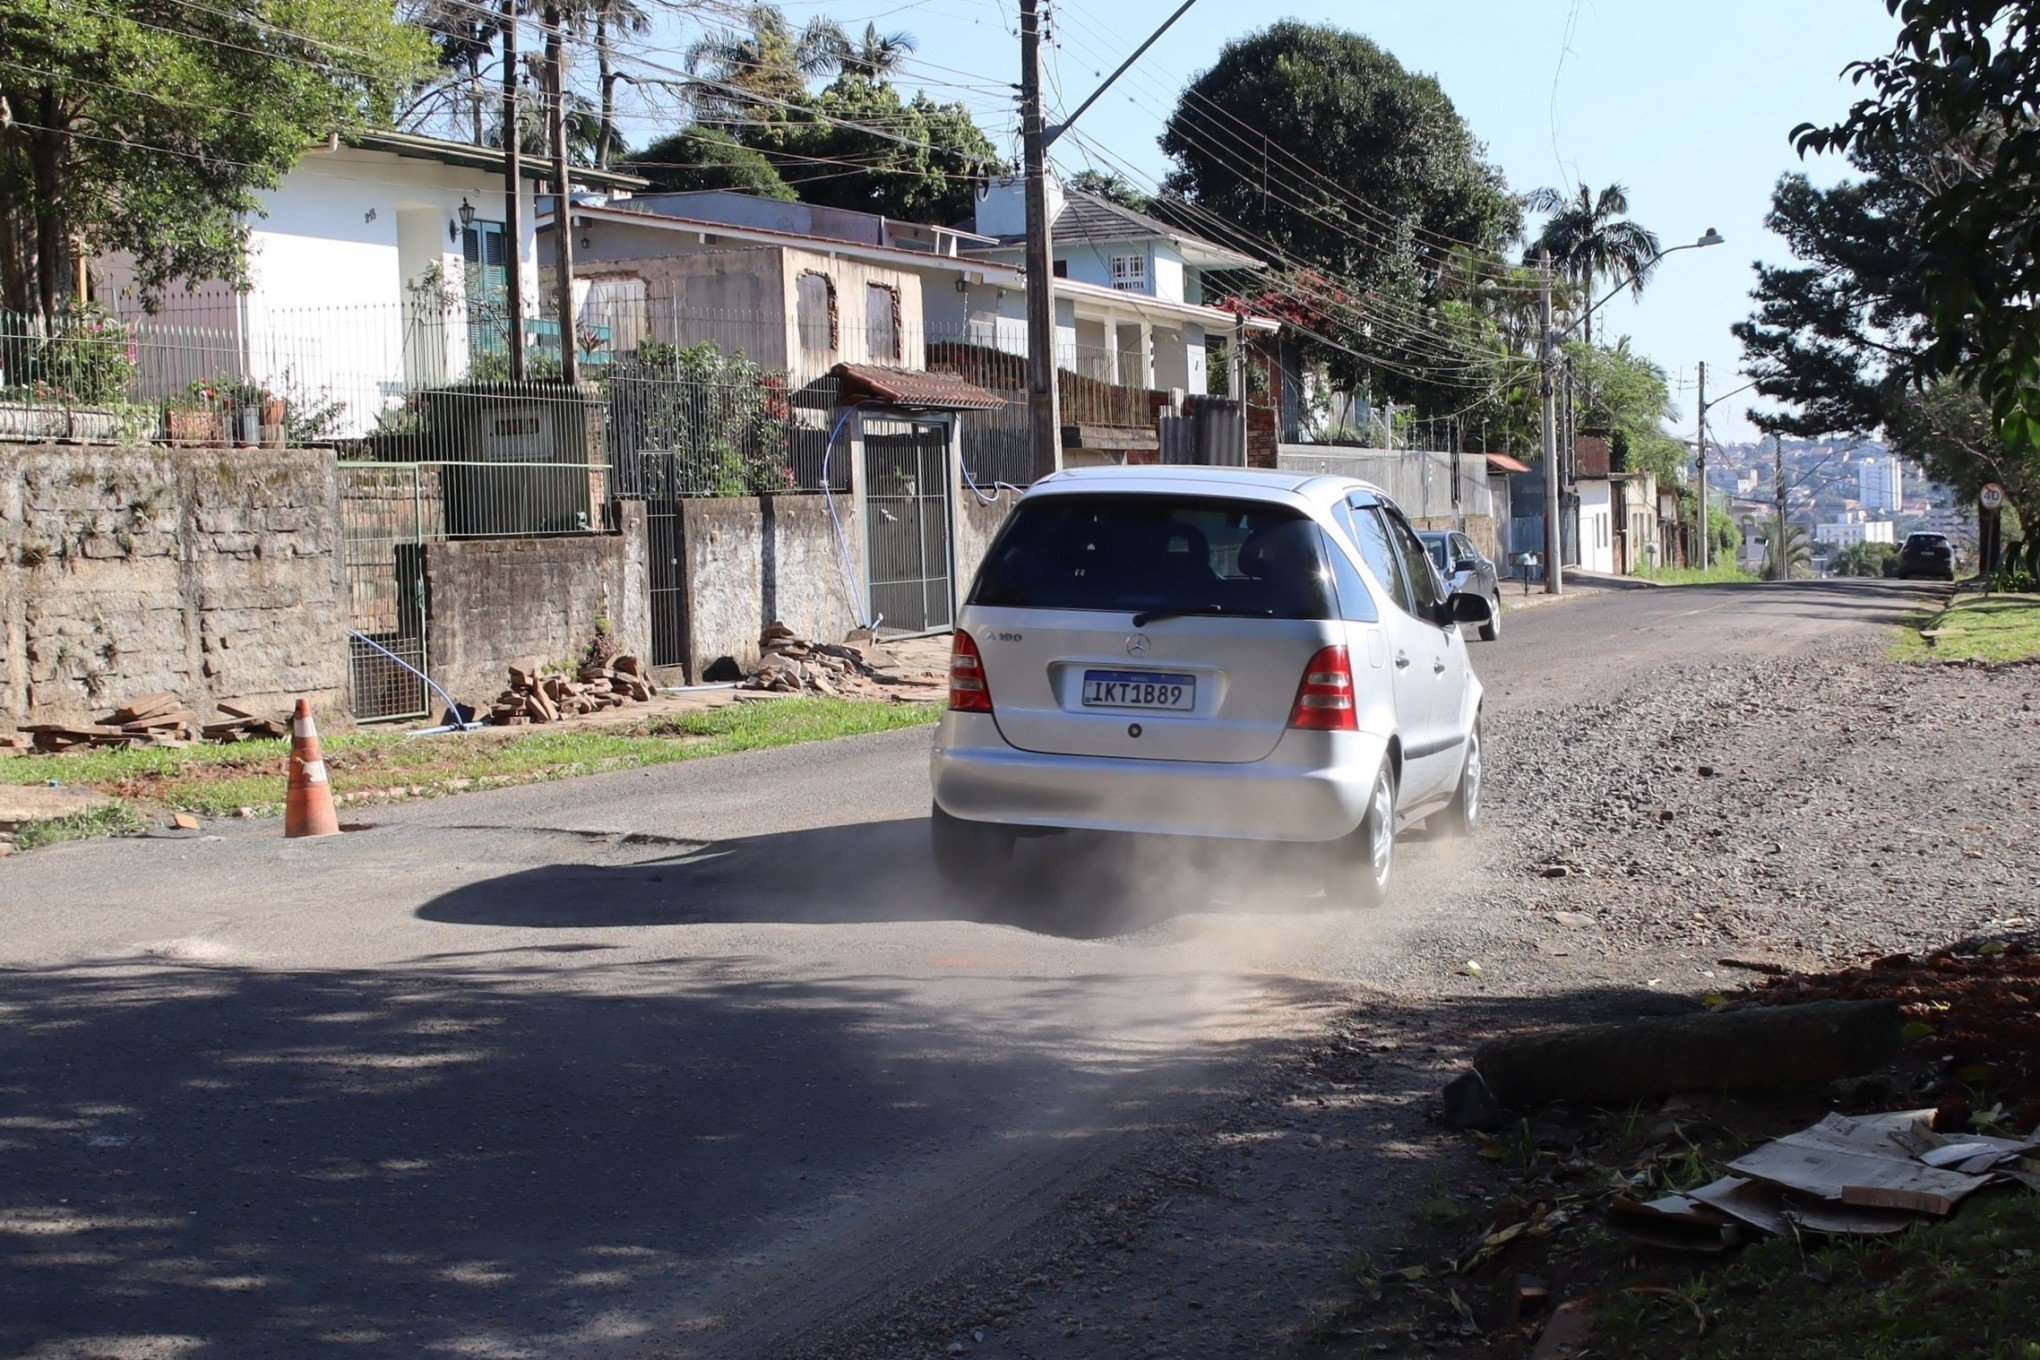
(1501, 462)
(914, 387)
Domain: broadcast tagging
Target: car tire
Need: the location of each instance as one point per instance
(1461, 816)
(966, 851)
(1491, 631)
(1363, 868)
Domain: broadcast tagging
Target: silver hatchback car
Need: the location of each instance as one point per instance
(1208, 652)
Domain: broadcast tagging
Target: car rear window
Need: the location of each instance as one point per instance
(1436, 547)
(1169, 554)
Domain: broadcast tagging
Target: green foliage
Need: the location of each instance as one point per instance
(1111, 186)
(1786, 555)
(1967, 71)
(189, 109)
(82, 357)
(926, 170)
(708, 158)
(728, 421)
(1724, 538)
(1627, 395)
(1862, 559)
(1390, 137)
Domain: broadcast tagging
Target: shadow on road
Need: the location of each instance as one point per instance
(556, 1156)
(1076, 887)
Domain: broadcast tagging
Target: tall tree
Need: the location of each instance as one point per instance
(1848, 338)
(920, 161)
(609, 20)
(1111, 186)
(876, 56)
(149, 125)
(1966, 72)
(464, 36)
(747, 72)
(1592, 241)
(1399, 179)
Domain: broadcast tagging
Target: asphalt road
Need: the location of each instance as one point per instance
(699, 1060)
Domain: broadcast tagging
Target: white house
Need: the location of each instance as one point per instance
(378, 266)
(1129, 292)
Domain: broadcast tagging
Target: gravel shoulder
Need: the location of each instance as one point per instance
(1808, 809)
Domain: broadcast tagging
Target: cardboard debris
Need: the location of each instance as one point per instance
(1768, 1209)
(1860, 1162)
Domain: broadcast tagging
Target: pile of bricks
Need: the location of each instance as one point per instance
(535, 698)
(791, 664)
(159, 719)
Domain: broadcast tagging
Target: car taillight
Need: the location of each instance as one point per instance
(1324, 701)
(967, 690)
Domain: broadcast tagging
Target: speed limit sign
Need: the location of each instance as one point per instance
(1991, 497)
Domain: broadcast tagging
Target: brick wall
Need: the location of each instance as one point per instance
(212, 573)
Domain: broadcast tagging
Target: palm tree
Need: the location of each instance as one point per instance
(763, 61)
(1782, 559)
(1591, 240)
(878, 55)
(611, 18)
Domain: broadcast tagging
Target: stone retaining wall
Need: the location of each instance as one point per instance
(213, 573)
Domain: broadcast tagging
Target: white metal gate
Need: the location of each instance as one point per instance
(907, 524)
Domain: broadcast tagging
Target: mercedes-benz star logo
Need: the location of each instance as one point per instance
(1137, 645)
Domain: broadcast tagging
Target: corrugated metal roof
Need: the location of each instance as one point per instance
(915, 387)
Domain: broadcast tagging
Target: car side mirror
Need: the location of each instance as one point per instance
(1466, 564)
(1466, 607)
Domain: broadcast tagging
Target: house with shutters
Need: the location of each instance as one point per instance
(377, 267)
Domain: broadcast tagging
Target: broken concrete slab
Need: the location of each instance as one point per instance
(22, 804)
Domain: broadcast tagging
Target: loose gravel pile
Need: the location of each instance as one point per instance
(1823, 807)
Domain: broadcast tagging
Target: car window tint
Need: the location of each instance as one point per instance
(1421, 583)
(1356, 601)
(1376, 550)
(1440, 548)
(1167, 554)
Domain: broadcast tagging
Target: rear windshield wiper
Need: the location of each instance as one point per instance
(1146, 617)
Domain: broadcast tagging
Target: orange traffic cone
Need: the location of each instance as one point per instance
(308, 807)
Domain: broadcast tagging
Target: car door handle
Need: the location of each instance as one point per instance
(1402, 661)
(1438, 665)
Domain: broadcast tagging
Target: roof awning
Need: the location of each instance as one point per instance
(915, 388)
(1501, 462)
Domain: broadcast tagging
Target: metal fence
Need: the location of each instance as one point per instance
(1421, 481)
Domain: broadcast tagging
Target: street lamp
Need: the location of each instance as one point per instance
(1700, 449)
(1554, 573)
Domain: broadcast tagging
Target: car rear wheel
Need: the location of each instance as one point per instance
(967, 852)
(1462, 816)
(1364, 866)
(1492, 630)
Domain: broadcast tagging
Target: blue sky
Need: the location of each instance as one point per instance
(1687, 105)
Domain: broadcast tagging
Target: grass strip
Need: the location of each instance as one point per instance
(369, 766)
(1974, 627)
(1968, 1286)
(1720, 574)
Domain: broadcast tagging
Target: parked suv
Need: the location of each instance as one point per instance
(1925, 554)
(1466, 568)
(1223, 653)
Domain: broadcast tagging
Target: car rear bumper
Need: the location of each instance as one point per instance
(1312, 787)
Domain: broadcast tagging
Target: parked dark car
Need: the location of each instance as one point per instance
(1928, 555)
(1467, 570)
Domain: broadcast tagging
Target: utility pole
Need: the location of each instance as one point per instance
(563, 198)
(1554, 583)
(513, 197)
(1700, 444)
(1237, 376)
(1781, 558)
(1043, 417)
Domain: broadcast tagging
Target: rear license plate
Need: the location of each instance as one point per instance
(1139, 689)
